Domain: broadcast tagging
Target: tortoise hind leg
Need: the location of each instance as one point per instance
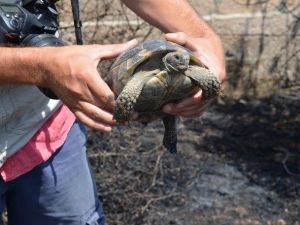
(127, 98)
(170, 136)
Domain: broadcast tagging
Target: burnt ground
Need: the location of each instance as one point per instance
(237, 164)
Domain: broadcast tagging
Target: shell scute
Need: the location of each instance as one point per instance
(126, 63)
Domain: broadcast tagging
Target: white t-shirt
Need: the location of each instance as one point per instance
(23, 110)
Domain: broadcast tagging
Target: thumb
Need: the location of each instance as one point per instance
(182, 39)
(189, 42)
(113, 50)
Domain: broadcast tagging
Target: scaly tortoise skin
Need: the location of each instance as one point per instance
(154, 73)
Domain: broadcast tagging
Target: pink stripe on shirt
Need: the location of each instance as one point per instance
(42, 145)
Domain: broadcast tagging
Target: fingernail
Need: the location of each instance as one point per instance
(107, 129)
(132, 42)
(180, 106)
(167, 109)
(171, 35)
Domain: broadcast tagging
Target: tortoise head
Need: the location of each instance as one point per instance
(176, 61)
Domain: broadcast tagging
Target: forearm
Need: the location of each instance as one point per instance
(170, 16)
(20, 66)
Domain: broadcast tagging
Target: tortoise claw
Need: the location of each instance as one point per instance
(123, 110)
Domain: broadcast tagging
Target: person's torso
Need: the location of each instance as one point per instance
(23, 110)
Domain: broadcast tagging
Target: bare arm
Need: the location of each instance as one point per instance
(71, 73)
(170, 16)
(18, 66)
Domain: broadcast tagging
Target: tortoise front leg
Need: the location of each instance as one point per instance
(170, 136)
(207, 81)
(126, 100)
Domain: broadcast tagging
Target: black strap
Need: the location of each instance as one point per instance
(77, 22)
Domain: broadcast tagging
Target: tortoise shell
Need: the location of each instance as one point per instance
(125, 65)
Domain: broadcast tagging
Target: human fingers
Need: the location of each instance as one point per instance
(192, 111)
(91, 123)
(101, 115)
(102, 95)
(82, 102)
(192, 114)
(95, 113)
(188, 106)
(113, 50)
(196, 45)
(188, 102)
(205, 49)
(194, 108)
(184, 111)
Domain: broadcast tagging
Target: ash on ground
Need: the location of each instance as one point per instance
(237, 164)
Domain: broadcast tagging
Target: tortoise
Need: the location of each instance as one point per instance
(154, 73)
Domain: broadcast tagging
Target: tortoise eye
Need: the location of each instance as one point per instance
(176, 57)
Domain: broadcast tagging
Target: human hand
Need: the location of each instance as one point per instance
(71, 73)
(210, 51)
